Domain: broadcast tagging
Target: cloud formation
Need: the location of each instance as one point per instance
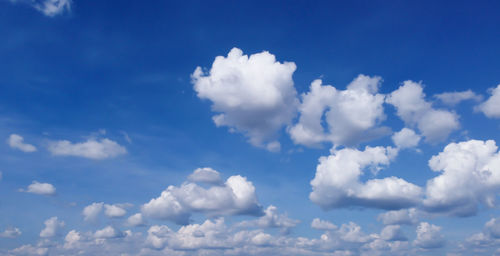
(11, 232)
(491, 107)
(49, 8)
(39, 188)
(429, 236)
(235, 197)
(52, 227)
(351, 115)
(453, 98)
(337, 181)
(17, 142)
(253, 95)
(434, 124)
(92, 148)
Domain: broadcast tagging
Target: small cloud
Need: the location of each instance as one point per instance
(39, 188)
(49, 8)
(11, 232)
(92, 148)
(17, 142)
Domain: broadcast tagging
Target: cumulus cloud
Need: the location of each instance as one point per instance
(114, 210)
(235, 197)
(72, 239)
(205, 175)
(17, 142)
(491, 107)
(429, 236)
(469, 176)
(107, 233)
(406, 138)
(91, 212)
(11, 232)
(351, 115)
(92, 148)
(399, 217)
(453, 98)
(272, 219)
(135, 220)
(393, 233)
(253, 95)
(52, 227)
(49, 8)
(39, 188)
(337, 181)
(434, 124)
(322, 224)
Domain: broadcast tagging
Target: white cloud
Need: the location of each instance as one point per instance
(72, 239)
(135, 220)
(351, 115)
(453, 98)
(52, 227)
(434, 124)
(272, 219)
(253, 94)
(49, 8)
(322, 224)
(406, 138)
(114, 210)
(39, 188)
(92, 148)
(30, 250)
(399, 217)
(491, 107)
(11, 232)
(235, 197)
(17, 142)
(91, 212)
(393, 233)
(107, 233)
(429, 236)
(337, 181)
(206, 175)
(470, 175)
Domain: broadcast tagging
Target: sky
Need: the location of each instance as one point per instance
(249, 127)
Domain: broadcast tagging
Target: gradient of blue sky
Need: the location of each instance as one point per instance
(122, 71)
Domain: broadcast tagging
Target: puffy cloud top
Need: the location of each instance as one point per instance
(254, 94)
(39, 188)
(16, 141)
(92, 148)
(491, 107)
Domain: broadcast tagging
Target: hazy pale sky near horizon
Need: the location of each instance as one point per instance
(249, 127)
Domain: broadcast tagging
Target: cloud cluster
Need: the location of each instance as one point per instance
(434, 124)
(337, 181)
(236, 196)
(351, 115)
(253, 94)
(469, 176)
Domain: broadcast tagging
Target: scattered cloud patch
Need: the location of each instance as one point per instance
(434, 124)
(91, 212)
(337, 181)
(453, 98)
(399, 217)
(92, 148)
(322, 224)
(52, 227)
(11, 232)
(491, 107)
(235, 197)
(253, 95)
(135, 220)
(351, 115)
(49, 8)
(406, 138)
(39, 188)
(205, 175)
(17, 142)
(429, 236)
(114, 210)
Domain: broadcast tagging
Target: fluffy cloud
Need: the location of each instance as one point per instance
(272, 219)
(114, 210)
(253, 94)
(52, 227)
(429, 236)
(322, 224)
(135, 220)
(491, 107)
(17, 142)
(469, 176)
(39, 188)
(11, 232)
(434, 124)
(453, 98)
(108, 232)
(399, 217)
(350, 114)
(92, 148)
(336, 183)
(406, 138)
(91, 212)
(393, 233)
(235, 197)
(206, 175)
(49, 8)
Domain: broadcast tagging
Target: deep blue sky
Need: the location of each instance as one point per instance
(125, 67)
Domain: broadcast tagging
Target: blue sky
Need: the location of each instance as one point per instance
(116, 143)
